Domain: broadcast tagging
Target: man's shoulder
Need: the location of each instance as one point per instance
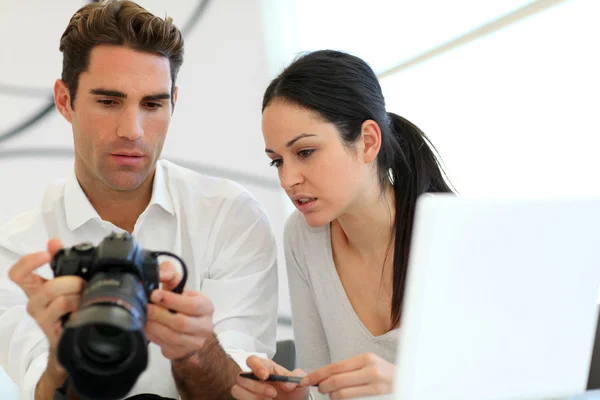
(189, 182)
(26, 231)
(16, 234)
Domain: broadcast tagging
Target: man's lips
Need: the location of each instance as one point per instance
(128, 154)
(128, 159)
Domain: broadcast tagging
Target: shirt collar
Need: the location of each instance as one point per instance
(161, 195)
(79, 210)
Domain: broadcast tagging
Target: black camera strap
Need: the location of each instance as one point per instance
(61, 392)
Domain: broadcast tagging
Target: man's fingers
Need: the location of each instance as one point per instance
(23, 269)
(193, 303)
(261, 367)
(54, 245)
(61, 286)
(169, 275)
(257, 388)
(241, 393)
(57, 308)
(180, 322)
(168, 350)
(53, 333)
(164, 335)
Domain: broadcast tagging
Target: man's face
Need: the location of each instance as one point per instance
(121, 114)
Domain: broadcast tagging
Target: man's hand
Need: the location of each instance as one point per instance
(180, 335)
(248, 389)
(200, 366)
(48, 301)
(360, 376)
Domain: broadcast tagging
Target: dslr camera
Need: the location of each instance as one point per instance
(103, 346)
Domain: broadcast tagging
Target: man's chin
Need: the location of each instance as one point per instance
(125, 181)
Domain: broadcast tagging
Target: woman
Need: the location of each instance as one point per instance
(354, 172)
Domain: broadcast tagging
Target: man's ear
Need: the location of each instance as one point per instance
(371, 140)
(62, 100)
(175, 92)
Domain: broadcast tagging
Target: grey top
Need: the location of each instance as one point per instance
(326, 328)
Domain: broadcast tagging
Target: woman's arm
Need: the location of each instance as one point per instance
(312, 349)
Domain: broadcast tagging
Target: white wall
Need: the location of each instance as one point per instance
(512, 112)
(215, 128)
(515, 112)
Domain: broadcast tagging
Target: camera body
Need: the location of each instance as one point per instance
(103, 346)
(118, 252)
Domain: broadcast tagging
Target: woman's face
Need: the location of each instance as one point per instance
(321, 176)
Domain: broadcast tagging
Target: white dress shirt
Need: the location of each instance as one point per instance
(221, 232)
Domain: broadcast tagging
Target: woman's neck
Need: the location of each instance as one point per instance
(367, 226)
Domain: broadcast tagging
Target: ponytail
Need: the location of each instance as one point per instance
(415, 170)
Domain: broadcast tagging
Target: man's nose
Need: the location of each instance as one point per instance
(130, 125)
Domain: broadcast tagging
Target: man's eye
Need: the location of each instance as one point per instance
(153, 106)
(106, 102)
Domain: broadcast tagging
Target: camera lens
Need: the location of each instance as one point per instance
(105, 344)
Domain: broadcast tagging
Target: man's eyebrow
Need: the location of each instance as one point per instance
(116, 93)
(157, 96)
(108, 93)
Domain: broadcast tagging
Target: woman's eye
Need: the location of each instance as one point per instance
(305, 153)
(276, 163)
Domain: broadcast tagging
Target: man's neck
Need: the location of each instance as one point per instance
(121, 208)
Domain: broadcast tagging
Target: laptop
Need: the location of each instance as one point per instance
(501, 299)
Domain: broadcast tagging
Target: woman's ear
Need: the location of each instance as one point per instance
(371, 140)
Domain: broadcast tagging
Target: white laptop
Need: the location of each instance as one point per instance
(501, 299)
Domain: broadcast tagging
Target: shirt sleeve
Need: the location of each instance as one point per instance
(23, 345)
(309, 335)
(242, 281)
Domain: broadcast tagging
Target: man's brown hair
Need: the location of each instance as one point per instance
(120, 23)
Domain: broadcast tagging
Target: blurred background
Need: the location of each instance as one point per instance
(507, 90)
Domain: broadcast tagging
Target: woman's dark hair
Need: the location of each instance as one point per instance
(344, 90)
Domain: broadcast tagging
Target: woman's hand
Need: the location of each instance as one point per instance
(249, 389)
(364, 375)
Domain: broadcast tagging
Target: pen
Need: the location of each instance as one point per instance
(273, 378)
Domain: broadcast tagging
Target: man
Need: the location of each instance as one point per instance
(118, 92)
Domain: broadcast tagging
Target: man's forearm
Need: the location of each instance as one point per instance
(51, 380)
(45, 388)
(208, 374)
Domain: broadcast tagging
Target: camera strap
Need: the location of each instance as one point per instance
(61, 392)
